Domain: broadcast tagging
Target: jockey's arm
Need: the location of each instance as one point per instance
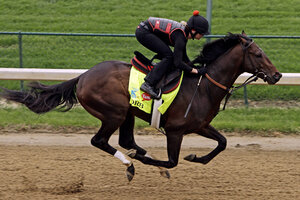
(180, 54)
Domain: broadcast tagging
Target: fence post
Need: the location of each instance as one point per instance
(21, 57)
(246, 97)
(208, 16)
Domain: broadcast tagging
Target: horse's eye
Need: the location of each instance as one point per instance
(259, 55)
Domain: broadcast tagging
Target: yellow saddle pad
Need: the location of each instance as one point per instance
(143, 100)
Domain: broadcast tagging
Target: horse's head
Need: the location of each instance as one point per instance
(256, 61)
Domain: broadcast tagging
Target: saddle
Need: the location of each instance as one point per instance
(168, 83)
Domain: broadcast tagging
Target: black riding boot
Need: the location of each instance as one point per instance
(152, 78)
(154, 93)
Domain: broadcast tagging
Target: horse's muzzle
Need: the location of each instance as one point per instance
(273, 79)
(277, 76)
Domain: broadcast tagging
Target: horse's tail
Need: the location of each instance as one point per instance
(43, 98)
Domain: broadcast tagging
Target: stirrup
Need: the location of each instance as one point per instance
(150, 90)
(159, 93)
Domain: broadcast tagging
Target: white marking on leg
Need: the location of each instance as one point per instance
(121, 157)
(147, 155)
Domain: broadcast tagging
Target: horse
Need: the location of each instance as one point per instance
(103, 92)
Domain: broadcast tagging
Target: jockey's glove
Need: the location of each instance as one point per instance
(202, 70)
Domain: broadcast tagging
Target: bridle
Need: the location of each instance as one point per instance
(232, 88)
(256, 72)
(251, 79)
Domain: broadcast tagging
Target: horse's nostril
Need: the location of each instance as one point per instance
(277, 76)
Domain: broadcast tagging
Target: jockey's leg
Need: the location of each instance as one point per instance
(155, 44)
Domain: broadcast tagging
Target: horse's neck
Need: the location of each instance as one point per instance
(226, 70)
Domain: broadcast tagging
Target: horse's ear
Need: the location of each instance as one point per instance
(243, 33)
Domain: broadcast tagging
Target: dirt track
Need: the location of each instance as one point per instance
(48, 166)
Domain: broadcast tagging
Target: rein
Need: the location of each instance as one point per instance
(234, 88)
(216, 83)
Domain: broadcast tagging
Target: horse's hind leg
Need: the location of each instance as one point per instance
(127, 141)
(212, 133)
(100, 140)
(126, 137)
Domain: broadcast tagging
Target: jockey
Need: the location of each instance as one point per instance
(158, 34)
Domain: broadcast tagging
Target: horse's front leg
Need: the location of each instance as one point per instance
(212, 133)
(173, 145)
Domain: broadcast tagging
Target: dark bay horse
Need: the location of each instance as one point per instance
(103, 92)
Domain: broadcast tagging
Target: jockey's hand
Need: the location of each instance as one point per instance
(202, 70)
(194, 71)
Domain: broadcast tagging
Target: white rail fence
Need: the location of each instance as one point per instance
(35, 74)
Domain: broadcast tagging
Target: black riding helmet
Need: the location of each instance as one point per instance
(198, 23)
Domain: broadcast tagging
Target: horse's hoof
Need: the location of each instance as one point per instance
(204, 160)
(131, 153)
(190, 157)
(165, 173)
(130, 172)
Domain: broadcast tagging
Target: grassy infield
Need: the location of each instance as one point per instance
(256, 17)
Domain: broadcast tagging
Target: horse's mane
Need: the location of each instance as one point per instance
(212, 50)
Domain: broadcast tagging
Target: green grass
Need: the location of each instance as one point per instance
(256, 17)
(76, 117)
(263, 120)
(255, 120)
(269, 92)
